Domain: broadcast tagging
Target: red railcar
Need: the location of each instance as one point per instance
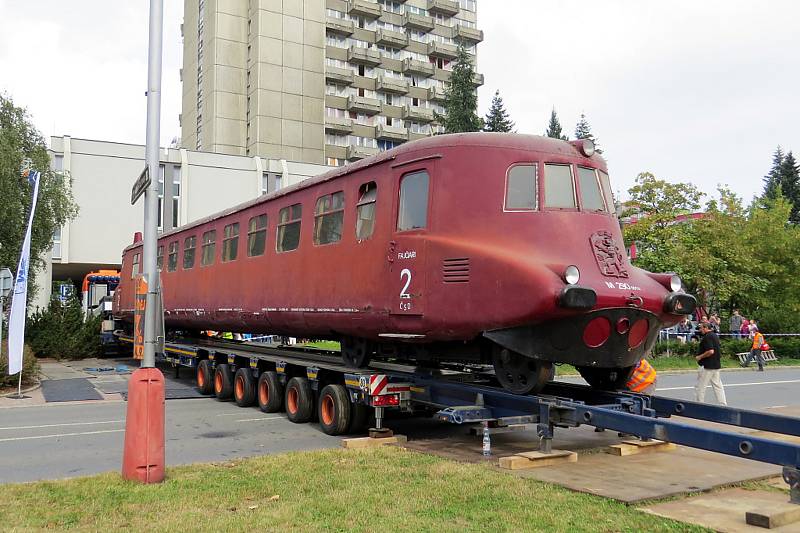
(468, 247)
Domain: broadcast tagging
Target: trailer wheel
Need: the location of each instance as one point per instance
(356, 352)
(359, 415)
(270, 392)
(244, 388)
(205, 377)
(334, 410)
(299, 400)
(223, 382)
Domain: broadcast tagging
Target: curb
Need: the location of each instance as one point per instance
(23, 391)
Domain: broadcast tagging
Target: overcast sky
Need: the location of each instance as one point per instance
(699, 91)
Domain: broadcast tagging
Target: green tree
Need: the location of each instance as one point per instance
(19, 140)
(460, 98)
(790, 185)
(584, 131)
(498, 119)
(772, 179)
(554, 127)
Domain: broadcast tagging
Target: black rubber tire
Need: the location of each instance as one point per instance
(359, 416)
(205, 377)
(299, 400)
(244, 388)
(223, 382)
(519, 374)
(269, 392)
(606, 378)
(333, 409)
(356, 352)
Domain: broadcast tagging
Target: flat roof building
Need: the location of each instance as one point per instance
(320, 81)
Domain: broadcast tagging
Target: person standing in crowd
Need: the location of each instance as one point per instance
(710, 360)
(745, 329)
(736, 324)
(684, 329)
(714, 322)
(755, 350)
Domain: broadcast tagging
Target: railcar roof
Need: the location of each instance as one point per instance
(420, 148)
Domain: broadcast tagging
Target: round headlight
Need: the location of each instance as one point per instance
(587, 147)
(572, 275)
(675, 283)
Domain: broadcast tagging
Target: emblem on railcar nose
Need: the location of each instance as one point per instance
(607, 254)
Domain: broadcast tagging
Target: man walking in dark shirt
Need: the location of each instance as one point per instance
(710, 363)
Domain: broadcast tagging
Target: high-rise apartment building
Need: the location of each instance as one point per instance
(319, 81)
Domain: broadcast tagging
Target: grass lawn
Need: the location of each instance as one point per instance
(385, 489)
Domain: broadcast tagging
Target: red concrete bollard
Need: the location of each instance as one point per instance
(143, 457)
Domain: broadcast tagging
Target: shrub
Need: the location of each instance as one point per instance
(60, 331)
(30, 367)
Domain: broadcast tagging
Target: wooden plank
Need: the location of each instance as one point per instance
(367, 442)
(635, 446)
(774, 516)
(537, 459)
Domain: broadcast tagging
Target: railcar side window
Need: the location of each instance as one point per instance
(160, 257)
(365, 210)
(172, 259)
(591, 197)
(257, 235)
(137, 259)
(209, 247)
(413, 212)
(288, 238)
(559, 190)
(328, 218)
(189, 245)
(521, 188)
(230, 242)
(606, 185)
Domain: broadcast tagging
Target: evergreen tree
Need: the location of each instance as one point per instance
(497, 119)
(790, 185)
(460, 97)
(554, 128)
(772, 179)
(584, 131)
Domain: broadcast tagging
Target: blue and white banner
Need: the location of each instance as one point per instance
(19, 301)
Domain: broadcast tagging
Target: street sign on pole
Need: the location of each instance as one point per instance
(141, 184)
(6, 282)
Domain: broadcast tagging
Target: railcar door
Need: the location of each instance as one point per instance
(406, 254)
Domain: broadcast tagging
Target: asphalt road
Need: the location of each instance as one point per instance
(66, 440)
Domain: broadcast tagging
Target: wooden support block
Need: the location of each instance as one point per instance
(773, 516)
(368, 442)
(635, 446)
(524, 460)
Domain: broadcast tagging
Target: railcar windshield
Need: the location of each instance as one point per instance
(605, 183)
(559, 189)
(591, 196)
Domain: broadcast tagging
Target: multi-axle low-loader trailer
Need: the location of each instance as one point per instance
(309, 383)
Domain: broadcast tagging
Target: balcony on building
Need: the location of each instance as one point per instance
(477, 79)
(363, 104)
(417, 114)
(443, 50)
(448, 8)
(392, 38)
(364, 56)
(417, 68)
(416, 21)
(391, 133)
(338, 125)
(468, 35)
(436, 94)
(392, 85)
(354, 153)
(342, 76)
(363, 8)
(340, 26)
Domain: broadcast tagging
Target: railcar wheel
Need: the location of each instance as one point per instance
(270, 392)
(299, 400)
(520, 374)
(356, 352)
(244, 388)
(334, 410)
(223, 382)
(606, 378)
(205, 377)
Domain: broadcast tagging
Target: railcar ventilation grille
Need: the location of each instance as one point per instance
(456, 270)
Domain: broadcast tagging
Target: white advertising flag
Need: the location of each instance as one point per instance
(19, 301)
